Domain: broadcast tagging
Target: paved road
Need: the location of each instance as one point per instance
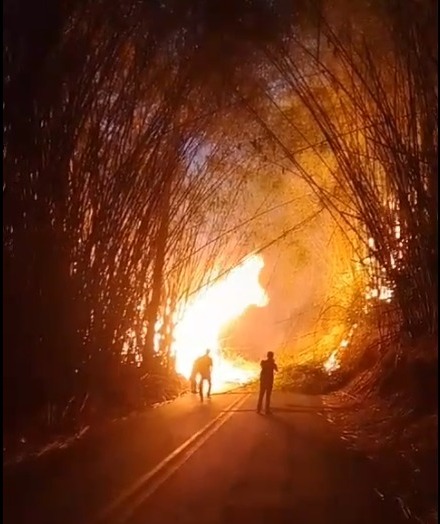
(231, 466)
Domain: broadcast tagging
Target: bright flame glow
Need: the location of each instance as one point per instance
(380, 289)
(211, 310)
(332, 363)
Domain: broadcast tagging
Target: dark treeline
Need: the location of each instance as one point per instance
(106, 104)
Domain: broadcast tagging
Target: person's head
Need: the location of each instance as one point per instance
(270, 355)
(208, 351)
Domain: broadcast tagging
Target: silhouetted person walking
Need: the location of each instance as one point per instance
(205, 370)
(268, 367)
(195, 371)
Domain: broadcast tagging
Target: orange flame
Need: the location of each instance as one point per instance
(212, 309)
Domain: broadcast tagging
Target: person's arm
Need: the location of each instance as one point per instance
(275, 367)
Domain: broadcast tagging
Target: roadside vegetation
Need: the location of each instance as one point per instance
(147, 143)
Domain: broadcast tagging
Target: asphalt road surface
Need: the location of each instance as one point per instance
(212, 463)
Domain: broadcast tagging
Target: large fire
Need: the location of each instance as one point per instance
(211, 310)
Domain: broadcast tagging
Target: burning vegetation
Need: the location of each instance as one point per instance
(159, 157)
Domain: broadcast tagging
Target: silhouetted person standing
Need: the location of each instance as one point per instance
(205, 370)
(268, 367)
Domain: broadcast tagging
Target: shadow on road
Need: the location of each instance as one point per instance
(241, 410)
(235, 391)
(298, 409)
(322, 482)
(295, 408)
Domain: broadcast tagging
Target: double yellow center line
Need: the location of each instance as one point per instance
(126, 504)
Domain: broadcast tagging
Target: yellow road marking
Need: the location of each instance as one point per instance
(162, 471)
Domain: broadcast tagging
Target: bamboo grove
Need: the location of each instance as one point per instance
(127, 127)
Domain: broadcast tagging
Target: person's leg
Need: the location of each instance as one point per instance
(209, 387)
(261, 396)
(268, 395)
(201, 388)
